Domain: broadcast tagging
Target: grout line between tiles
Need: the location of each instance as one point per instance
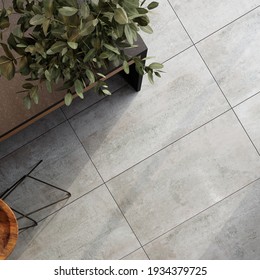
(64, 114)
(92, 105)
(5, 156)
(108, 189)
(71, 202)
(62, 122)
(132, 253)
(193, 44)
(232, 108)
(258, 152)
(199, 213)
(231, 22)
(240, 103)
(177, 54)
(219, 29)
(170, 144)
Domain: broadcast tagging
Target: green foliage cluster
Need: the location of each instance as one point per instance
(71, 41)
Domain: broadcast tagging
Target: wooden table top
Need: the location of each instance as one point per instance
(8, 230)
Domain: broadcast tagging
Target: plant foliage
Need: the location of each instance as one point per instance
(71, 41)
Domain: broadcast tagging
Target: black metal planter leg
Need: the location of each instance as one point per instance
(134, 78)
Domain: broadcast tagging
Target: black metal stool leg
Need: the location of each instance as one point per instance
(6, 193)
(27, 217)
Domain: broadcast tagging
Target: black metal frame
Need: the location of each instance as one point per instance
(134, 78)
(7, 192)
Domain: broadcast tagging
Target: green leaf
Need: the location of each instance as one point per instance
(126, 67)
(64, 51)
(40, 49)
(89, 55)
(150, 77)
(48, 75)
(73, 45)
(34, 94)
(142, 21)
(68, 99)
(31, 49)
(48, 7)
(153, 5)
(90, 76)
(129, 34)
(45, 26)
(37, 20)
(147, 29)
(131, 3)
(23, 62)
(21, 46)
(84, 10)
(48, 86)
(120, 16)
(27, 102)
(105, 55)
(158, 74)
(106, 92)
(7, 51)
(7, 68)
(101, 75)
(56, 47)
(4, 23)
(111, 48)
(79, 88)
(68, 11)
(156, 66)
(87, 28)
(28, 86)
(142, 10)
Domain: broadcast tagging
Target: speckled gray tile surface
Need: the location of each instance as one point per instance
(121, 130)
(35, 130)
(186, 178)
(203, 17)
(232, 55)
(92, 228)
(178, 163)
(169, 37)
(137, 255)
(65, 162)
(228, 230)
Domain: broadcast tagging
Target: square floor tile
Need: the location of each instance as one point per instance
(233, 55)
(65, 163)
(90, 228)
(169, 37)
(249, 114)
(137, 255)
(229, 230)
(31, 132)
(186, 178)
(203, 17)
(123, 129)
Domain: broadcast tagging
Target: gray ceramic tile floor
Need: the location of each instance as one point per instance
(171, 172)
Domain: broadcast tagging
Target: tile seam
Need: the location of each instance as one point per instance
(203, 211)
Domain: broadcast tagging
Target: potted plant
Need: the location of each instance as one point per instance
(71, 41)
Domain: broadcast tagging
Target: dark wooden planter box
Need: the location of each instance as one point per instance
(14, 116)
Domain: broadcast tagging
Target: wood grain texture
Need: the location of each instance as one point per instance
(8, 230)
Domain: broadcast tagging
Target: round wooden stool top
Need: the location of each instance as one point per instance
(8, 230)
